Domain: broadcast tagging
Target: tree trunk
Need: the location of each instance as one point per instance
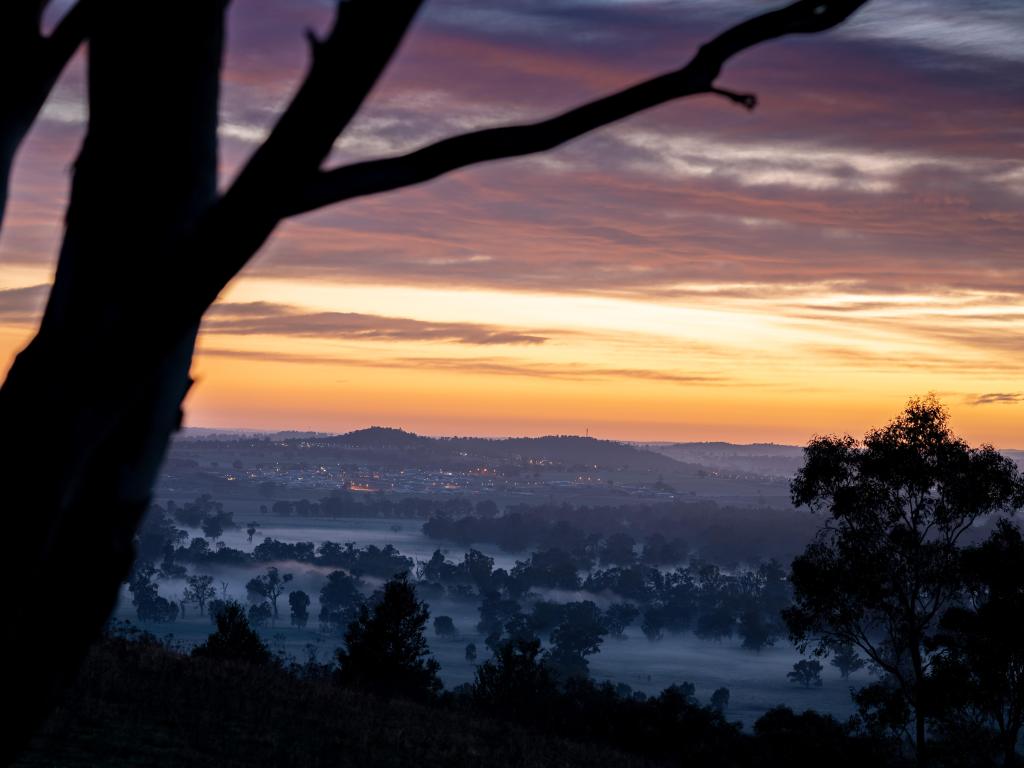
(919, 700)
(87, 409)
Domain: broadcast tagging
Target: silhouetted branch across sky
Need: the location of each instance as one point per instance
(149, 244)
(697, 77)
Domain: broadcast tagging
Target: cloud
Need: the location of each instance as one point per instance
(996, 397)
(486, 366)
(267, 318)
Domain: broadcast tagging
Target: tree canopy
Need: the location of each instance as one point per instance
(386, 649)
(885, 567)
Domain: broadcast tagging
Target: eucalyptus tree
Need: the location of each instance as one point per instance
(149, 243)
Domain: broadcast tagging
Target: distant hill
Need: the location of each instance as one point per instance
(767, 459)
(566, 450)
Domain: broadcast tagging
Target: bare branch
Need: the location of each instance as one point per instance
(345, 66)
(697, 77)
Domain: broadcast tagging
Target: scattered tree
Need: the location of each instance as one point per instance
(579, 635)
(213, 528)
(340, 598)
(444, 626)
(199, 589)
(149, 605)
(299, 602)
(806, 673)
(234, 639)
(385, 649)
(516, 683)
(618, 617)
(268, 586)
(846, 659)
(720, 699)
(260, 613)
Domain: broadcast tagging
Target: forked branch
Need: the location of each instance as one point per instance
(284, 176)
(697, 77)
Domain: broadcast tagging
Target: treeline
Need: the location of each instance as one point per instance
(665, 533)
(524, 691)
(721, 533)
(699, 597)
(712, 602)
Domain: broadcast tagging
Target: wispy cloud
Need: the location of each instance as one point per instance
(477, 365)
(991, 398)
(284, 320)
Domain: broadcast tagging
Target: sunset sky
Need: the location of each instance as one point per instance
(697, 272)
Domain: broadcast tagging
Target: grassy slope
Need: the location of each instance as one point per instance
(143, 706)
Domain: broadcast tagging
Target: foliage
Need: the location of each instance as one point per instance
(234, 640)
(846, 659)
(340, 598)
(299, 601)
(199, 590)
(444, 626)
(516, 683)
(579, 635)
(268, 586)
(149, 605)
(385, 648)
(806, 673)
(883, 571)
(979, 673)
(720, 699)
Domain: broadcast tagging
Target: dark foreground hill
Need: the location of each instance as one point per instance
(141, 705)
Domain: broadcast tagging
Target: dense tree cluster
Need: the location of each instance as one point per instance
(890, 575)
(658, 534)
(149, 605)
(385, 649)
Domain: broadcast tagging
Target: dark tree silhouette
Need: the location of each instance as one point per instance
(213, 528)
(234, 639)
(199, 590)
(981, 664)
(516, 683)
(579, 635)
(299, 603)
(445, 627)
(846, 659)
(883, 571)
(720, 699)
(385, 648)
(268, 586)
(150, 244)
(339, 599)
(806, 673)
(618, 617)
(260, 613)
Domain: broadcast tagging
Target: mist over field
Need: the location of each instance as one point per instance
(389, 487)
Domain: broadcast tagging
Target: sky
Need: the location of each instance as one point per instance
(697, 272)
